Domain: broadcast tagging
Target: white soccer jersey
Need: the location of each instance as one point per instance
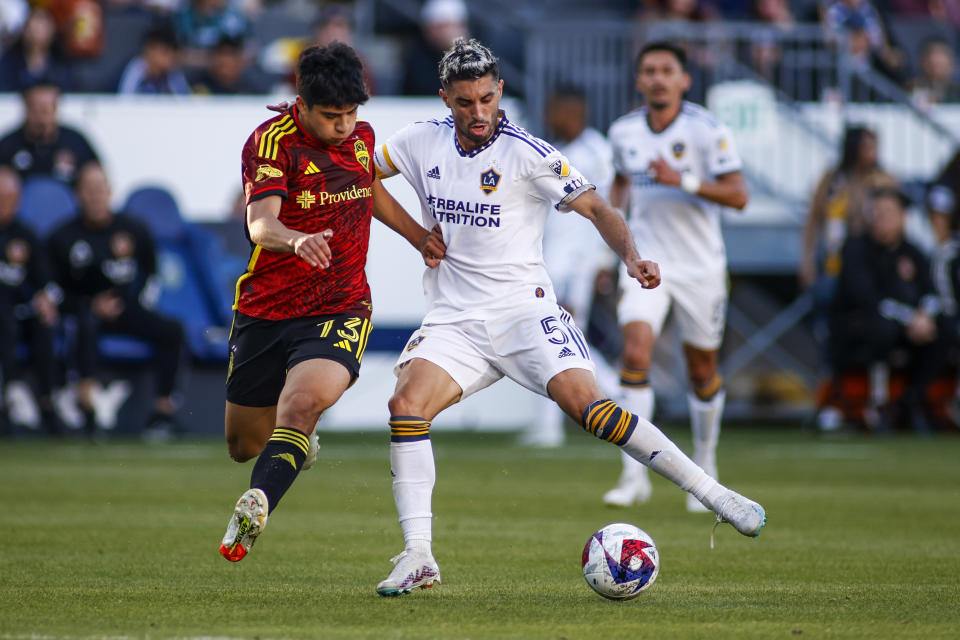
(678, 230)
(490, 204)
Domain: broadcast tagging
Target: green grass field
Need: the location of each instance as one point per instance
(120, 540)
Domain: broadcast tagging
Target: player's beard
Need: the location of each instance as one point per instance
(479, 139)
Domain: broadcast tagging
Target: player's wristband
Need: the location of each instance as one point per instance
(690, 183)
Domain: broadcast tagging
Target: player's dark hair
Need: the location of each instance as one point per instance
(662, 45)
(467, 60)
(331, 75)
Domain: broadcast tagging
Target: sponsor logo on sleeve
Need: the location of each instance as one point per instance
(265, 171)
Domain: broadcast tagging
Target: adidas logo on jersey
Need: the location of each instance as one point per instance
(565, 352)
(311, 169)
(434, 173)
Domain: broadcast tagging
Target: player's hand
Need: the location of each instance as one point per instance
(313, 249)
(646, 272)
(432, 247)
(663, 173)
(280, 107)
(107, 305)
(45, 308)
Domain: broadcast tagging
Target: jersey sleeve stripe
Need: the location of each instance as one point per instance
(266, 192)
(538, 149)
(265, 136)
(269, 141)
(251, 265)
(386, 156)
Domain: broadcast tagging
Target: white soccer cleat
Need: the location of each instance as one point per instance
(312, 451)
(744, 514)
(630, 490)
(413, 570)
(248, 520)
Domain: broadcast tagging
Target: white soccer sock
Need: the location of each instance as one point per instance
(414, 474)
(640, 403)
(705, 422)
(650, 446)
(546, 429)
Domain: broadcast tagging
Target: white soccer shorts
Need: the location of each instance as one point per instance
(699, 306)
(529, 346)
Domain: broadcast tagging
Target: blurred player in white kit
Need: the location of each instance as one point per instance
(572, 249)
(676, 167)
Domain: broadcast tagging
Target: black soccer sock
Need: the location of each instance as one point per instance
(279, 463)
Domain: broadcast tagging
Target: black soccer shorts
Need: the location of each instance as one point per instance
(263, 351)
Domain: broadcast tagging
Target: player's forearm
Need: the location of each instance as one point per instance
(265, 228)
(388, 211)
(723, 193)
(269, 233)
(614, 231)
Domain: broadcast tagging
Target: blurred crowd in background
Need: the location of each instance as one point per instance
(884, 304)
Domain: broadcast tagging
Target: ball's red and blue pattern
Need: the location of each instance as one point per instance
(620, 561)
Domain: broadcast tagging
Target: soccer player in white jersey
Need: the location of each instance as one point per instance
(491, 310)
(676, 166)
(572, 249)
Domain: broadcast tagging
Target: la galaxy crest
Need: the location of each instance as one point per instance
(678, 149)
(489, 181)
(363, 156)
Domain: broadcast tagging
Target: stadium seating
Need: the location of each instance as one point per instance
(45, 203)
(186, 259)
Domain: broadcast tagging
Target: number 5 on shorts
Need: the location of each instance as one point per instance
(554, 333)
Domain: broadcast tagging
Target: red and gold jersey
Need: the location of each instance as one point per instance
(323, 187)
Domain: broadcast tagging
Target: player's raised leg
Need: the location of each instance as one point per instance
(575, 390)
(423, 390)
(311, 387)
(706, 401)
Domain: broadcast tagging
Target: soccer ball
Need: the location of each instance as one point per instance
(620, 561)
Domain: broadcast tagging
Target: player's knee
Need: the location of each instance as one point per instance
(636, 355)
(401, 405)
(300, 410)
(242, 449)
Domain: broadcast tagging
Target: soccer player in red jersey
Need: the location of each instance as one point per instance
(302, 309)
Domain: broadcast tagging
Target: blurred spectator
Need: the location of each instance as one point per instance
(859, 22)
(106, 265)
(685, 10)
(838, 205)
(441, 22)
(947, 11)
(229, 72)
(941, 206)
(28, 312)
(937, 80)
(156, 70)
(13, 14)
(333, 24)
(201, 24)
(942, 211)
(765, 50)
(35, 55)
(884, 314)
(81, 26)
(41, 145)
